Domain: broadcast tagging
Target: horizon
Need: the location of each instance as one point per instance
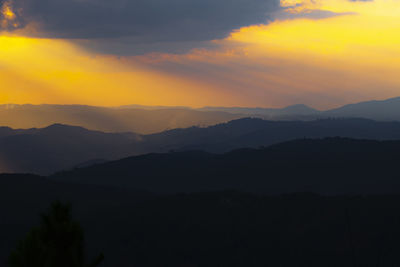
(139, 106)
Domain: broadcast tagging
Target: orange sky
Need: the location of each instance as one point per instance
(323, 62)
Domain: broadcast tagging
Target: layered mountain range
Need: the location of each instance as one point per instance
(61, 147)
(228, 187)
(153, 119)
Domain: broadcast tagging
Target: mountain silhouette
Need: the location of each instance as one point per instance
(61, 147)
(293, 110)
(253, 133)
(155, 119)
(325, 166)
(381, 110)
(385, 110)
(124, 119)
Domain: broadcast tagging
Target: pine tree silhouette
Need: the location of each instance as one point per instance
(57, 242)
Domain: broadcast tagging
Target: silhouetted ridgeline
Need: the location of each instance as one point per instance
(56, 147)
(133, 119)
(326, 166)
(385, 110)
(60, 147)
(153, 119)
(251, 132)
(211, 229)
(381, 110)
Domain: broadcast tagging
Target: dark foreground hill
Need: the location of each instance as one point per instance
(211, 229)
(60, 147)
(326, 166)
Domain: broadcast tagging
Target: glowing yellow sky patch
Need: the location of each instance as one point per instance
(365, 29)
(366, 42)
(363, 43)
(55, 71)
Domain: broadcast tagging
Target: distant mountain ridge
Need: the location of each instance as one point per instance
(153, 119)
(384, 110)
(143, 121)
(60, 147)
(251, 132)
(294, 110)
(381, 110)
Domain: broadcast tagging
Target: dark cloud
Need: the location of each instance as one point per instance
(314, 14)
(131, 47)
(143, 21)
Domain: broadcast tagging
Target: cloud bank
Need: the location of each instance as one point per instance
(141, 20)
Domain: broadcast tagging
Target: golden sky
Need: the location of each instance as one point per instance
(323, 53)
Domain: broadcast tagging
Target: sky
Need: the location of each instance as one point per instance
(264, 53)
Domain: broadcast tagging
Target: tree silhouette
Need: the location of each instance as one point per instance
(57, 242)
